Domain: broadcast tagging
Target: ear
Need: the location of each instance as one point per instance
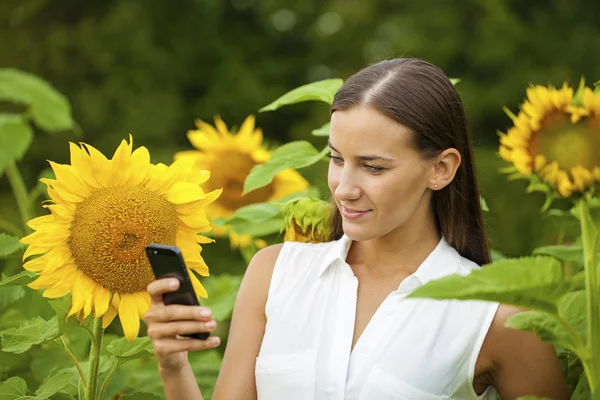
(444, 168)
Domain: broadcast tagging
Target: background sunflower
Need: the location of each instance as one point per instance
(103, 213)
(231, 156)
(556, 139)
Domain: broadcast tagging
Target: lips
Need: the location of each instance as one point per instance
(353, 214)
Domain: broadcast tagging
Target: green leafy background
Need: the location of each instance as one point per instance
(150, 68)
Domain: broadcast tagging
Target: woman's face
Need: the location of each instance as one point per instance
(377, 177)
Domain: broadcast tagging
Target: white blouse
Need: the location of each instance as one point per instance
(411, 348)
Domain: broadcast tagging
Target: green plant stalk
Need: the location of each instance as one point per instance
(71, 356)
(112, 371)
(20, 191)
(98, 332)
(591, 364)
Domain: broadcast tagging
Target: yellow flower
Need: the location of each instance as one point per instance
(307, 220)
(556, 137)
(103, 214)
(230, 157)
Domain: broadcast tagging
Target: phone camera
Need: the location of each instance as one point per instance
(155, 251)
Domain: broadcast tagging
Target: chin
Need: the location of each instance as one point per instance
(357, 233)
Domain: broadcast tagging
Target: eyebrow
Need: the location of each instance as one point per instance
(366, 157)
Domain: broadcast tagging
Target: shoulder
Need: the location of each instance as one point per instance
(521, 362)
(262, 266)
(263, 262)
(506, 345)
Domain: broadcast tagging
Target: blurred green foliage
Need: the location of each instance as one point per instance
(150, 68)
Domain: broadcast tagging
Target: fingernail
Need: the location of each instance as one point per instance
(205, 313)
(173, 283)
(211, 324)
(215, 340)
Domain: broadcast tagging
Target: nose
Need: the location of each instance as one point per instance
(347, 187)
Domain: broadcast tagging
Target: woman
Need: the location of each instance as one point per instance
(330, 320)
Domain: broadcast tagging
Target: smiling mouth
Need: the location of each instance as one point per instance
(351, 214)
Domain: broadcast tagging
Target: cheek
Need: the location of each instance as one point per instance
(400, 193)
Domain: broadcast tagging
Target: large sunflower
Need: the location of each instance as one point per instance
(230, 156)
(103, 214)
(556, 138)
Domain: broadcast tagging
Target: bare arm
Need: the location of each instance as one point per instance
(236, 377)
(522, 363)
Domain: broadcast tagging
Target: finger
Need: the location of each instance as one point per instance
(160, 287)
(176, 312)
(165, 347)
(170, 330)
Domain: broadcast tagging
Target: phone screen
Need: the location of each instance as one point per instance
(167, 264)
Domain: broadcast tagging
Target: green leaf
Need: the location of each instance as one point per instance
(254, 229)
(578, 96)
(125, 351)
(569, 253)
(255, 212)
(261, 219)
(546, 326)
(49, 109)
(317, 91)
(496, 255)
(295, 155)
(322, 131)
(20, 279)
(15, 138)
(222, 292)
(9, 295)
(484, 206)
(61, 307)
(597, 89)
(9, 245)
(14, 388)
(533, 282)
(32, 332)
(538, 187)
(582, 390)
(573, 309)
(455, 81)
(54, 384)
(140, 396)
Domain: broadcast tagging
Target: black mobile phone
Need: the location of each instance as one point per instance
(167, 262)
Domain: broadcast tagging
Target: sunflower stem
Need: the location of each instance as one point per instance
(20, 191)
(90, 391)
(71, 356)
(590, 235)
(112, 371)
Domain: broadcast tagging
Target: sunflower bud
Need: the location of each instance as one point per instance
(307, 220)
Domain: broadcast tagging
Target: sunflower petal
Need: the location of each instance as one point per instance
(77, 297)
(185, 192)
(101, 302)
(128, 314)
(59, 290)
(198, 288)
(108, 317)
(140, 166)
(143, 303)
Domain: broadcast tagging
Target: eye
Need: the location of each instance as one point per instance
(336, 160)
(373, 169)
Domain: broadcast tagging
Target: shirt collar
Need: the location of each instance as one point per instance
(442, 261)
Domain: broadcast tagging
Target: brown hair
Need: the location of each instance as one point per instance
(421, 97)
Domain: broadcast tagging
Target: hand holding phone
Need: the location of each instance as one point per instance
(167, 262)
